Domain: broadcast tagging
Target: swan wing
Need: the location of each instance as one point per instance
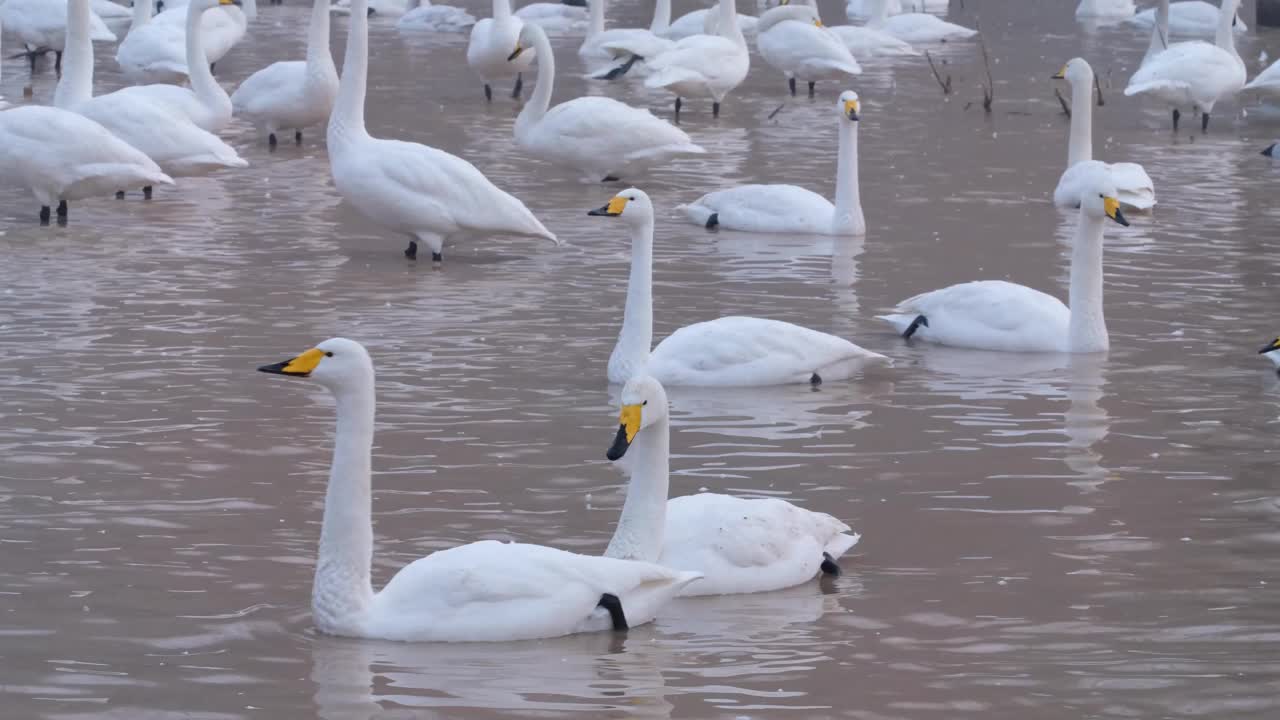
(1203, 71)
(636, 42)
(437, 18)
(1267, 81)
(865, 42)
(177, 145)
(764, 208)
(988, 315)
(600, 126)
(1131, 180)
(795, 47)
(274, 85)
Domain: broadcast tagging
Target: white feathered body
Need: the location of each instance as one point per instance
(184, 102)
(922, 28)
(178, 146)
(157, 51)
(287, 95)
(554, 18)
(1267, 82)
(1196, 74)
(436, 18)
(491, 44)
(1105, 8)
(43, 23)
(1133, 185)
(864, 42)
(765, 209)
(987, 315)
(695, 23)
(1190, 17)
(701, 65)
(806, 52)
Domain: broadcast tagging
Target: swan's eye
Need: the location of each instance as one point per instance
(329, 354)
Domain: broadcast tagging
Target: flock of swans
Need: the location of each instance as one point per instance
(148, 134)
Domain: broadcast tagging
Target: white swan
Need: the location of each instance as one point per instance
(222, 28)
(704, 22)
(1269, 351)
(293, 94)
(490, 45)
(556, 18)
(381, 8)
(155, 50)
(915, 27)
(418, 190)
(1159, 33)
(176, 144)
(108, 10)
(599, 136)
(726, 352)
(1189, 17)
(628, 44)
(865, 42)
(789, 208)
(1105, 8)
(738, 545)
(422, 15)
(1003, 316)
(62, 156)
(706, 65)
(863, 9)
(482, 591)
(1194, 74)
(1267, 82)
(1131, 180)
(792, 40)
(41, 25)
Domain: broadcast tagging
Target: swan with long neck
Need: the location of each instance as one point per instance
(703, 65)
(790, 208)
(1131, 180)
(1004, 316)
(490, 45)
(293, 94)
(729, 351)
(483, 591)
(738, 545)
(792, 40)
(573, 135)
(414, 189)
(1159, 33)
(1194, 74)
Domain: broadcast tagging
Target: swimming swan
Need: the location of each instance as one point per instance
(1189, 17)
(738, 545)
(707, 65)
(418, 190)
(729, 351)
(482, 591)
(789, 208)
(293, 94)
(601, 137)
(1194, 74)
(915, 27)
(1132, 182)
(792, 40)
(489, 46)
(423, 15)
(1003, 316)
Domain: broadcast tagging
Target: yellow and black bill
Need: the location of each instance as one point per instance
(300, 366)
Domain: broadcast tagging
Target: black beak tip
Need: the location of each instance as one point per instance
(600, 212)
(514, 54)
(1270, 151)
(1267, 348)
(277, 368)
(620, 445)
(1120, 218)
(853, 116)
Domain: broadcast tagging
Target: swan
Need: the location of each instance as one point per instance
(1189, 17)
(490, 44)
(418, 190)
(1267, 82)
(710, 65)
(789, 208)
(1132, 182)
(422, 15)
(1105, 8)
(1004, 316)
(176, 144)
(61, 156)
(385, 8)
(915, 27)
(730, 351)
(601, 137)
(222, 28)
(792, 40)
(41, 25)
(293, 94)
(865, 42)
(605, 46)
(155, 50)
(1159, 33)
(1269, 351)
(1194, 74)
(108, 10)
(703, 22)
(738, 545)
(863, 9)
(570, 16)
(482, 591)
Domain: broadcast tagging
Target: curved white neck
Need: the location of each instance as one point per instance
(661, 17)
(1225, 37)
(347, 118)
(1087, 331)
(142, 12)
(318, 53)
(341, 593)
(1080, 146)
(541, 99)
(595, 25)
(76, 85)
(1159, 33)
(848, 201)
(202, 82)
(631, 353)
(643, 521)
(501, 11)
(728, 25)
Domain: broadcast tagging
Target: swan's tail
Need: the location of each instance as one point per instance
(699, 214)
(1153, 86)
(660, 153)
(901, 322)
(842, 543)
(670, 76)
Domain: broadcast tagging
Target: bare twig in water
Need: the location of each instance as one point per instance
(776, 110)
(1066, 108)
(944, 84)
(988, 90)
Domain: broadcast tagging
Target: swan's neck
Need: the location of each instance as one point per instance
(636, 337)
(728, 27)
(1080, 146)
(596, 24)
(501, 11)
(541, 100)
(879, 12)
(76, 85)
(1088, 328)
(1159, 33)
(318, 53)
(848, 202)
(1225, 38)
(142, 11)
(661, 17)
(348, 110)
(202, 82)
(342, 593)
(644, 513)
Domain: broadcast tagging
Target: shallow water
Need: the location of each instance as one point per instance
(1043, 537)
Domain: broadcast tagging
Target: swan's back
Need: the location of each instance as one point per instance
(765, 208)
(1201, 70)
(989, 315)
(602, 127)
(176, 144)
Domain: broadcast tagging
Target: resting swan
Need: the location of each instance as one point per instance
(737, 545)
(1189, 17)
(915, 27)
(599, 136)
(293, 94)
(789, 208)
(710, 65)
(1003, 316)
(418, 190)
(490, 45)
(1194, 74)
(1132, 182)
(865, 42)
(726, 352)
(556, 18)
(482, 591)
(422, 15)
(793, 41)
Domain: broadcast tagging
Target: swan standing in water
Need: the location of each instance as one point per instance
(293, 94)
(423, 15)
(418, 190)
(482, 591)
(790, 208)
(1132, 182)
(1004, 316)
(792, 40)
(154, 51)
(915, 27)
(1188, 17)
(709, 65)
(41, 25)
(738, 545)
(728, 352)
(490, 45)
(602, 46)
(703, 22)
(1194, 74)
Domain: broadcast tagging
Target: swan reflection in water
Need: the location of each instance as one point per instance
(1086, 422)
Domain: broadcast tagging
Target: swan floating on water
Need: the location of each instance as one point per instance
(703, 65)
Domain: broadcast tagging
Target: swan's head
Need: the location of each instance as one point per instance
(632, 205)
(527, 39)
(848, 105)
(1076, 72)
(335, 363)
(1272, 351)
(1271, 151)
(1100, 199)
(644, 403)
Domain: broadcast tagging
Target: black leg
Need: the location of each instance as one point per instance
(515, 91)
(62, 210)
(271, 140)
(437, 257)
(811, 84)
(411, 252)
(57, 62)
(31, 58)
(297, 137)
(211, 67)
(1176, 116)
(119, 194)
(677, 110)
(146, 192)
(488, 93)
(44, 214)
(1204, 122)
(791, 84)
(715, 109)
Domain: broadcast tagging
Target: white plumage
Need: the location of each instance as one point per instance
(1189, 17)
(703, 65)
(489, 47)
(1267, 82)
(1105, 8)
(792, 40)
(423, 15)
(915, 27)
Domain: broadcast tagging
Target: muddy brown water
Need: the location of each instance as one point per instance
(1045, 537)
